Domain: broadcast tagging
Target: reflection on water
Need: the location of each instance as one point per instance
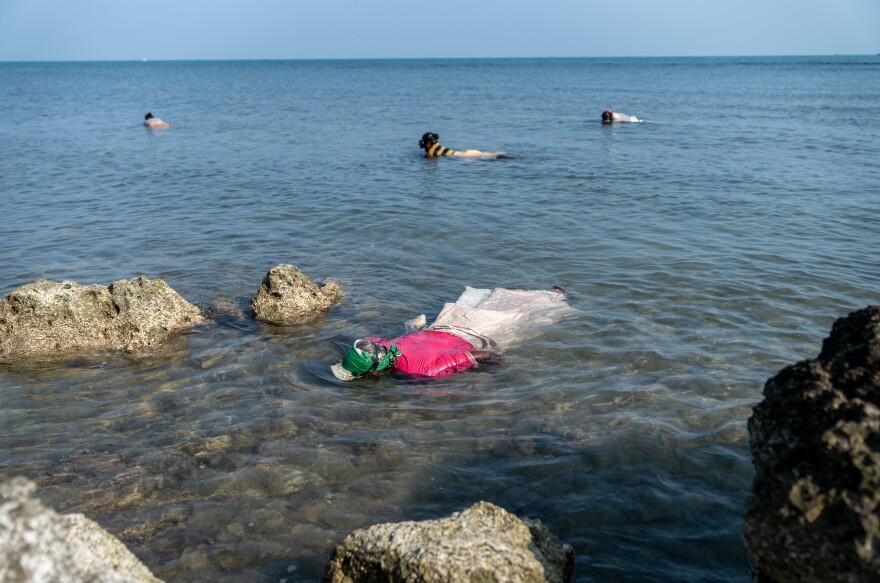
(701, 255)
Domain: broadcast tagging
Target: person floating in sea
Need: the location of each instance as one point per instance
(474, 329)
(609, 116)
(152, 123)
(433, 149)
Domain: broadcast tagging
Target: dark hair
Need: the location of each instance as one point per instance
(376, 351)
(607, 116)
(148, 116)
(428, 140)
(367, 346)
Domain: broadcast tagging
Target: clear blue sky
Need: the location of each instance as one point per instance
(318, 29)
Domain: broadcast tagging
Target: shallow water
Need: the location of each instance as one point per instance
(703, 250)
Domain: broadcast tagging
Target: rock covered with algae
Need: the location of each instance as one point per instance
(39, 545)
(483, 543)
(45, 319)
(815, 439)
(287, 296)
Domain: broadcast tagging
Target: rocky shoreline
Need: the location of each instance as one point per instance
(481, 543)
(815, 444)
(47, 320)
(815, 440)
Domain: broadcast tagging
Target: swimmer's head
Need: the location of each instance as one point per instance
(364, 357)
(607, 116)
(148, 116)
(428, 140)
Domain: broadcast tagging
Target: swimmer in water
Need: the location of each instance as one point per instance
(152, 123)
(431, 353)
(609, 116)
(433, 149)
(470, 331)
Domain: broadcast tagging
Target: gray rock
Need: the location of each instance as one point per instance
(815, 440)
(484, 543)
(45, 319)
(288, 297)
(224, 307)
(39, 545)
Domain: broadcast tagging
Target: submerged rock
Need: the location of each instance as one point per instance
(225, 307)
(39, 545)
(815, 440)
(482, 543)
(45, 319)
(288, 297)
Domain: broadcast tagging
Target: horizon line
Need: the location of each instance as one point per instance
(267, 59)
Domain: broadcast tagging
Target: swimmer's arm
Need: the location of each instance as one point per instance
(480, 355)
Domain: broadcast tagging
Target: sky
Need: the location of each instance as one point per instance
(101, 30)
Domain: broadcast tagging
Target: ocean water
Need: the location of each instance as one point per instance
(703, 250)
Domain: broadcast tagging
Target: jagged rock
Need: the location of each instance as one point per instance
(287, 297)
(815, 440)
(38, 545)
(483, 543)
(45, 319)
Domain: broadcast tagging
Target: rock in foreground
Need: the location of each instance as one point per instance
(288, 297)
(39, 545)
(815, 439)
(46, 319)
(484, 543)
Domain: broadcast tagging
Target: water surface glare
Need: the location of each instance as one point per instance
(703, 250)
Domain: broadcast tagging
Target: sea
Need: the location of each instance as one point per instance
(703, 250)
